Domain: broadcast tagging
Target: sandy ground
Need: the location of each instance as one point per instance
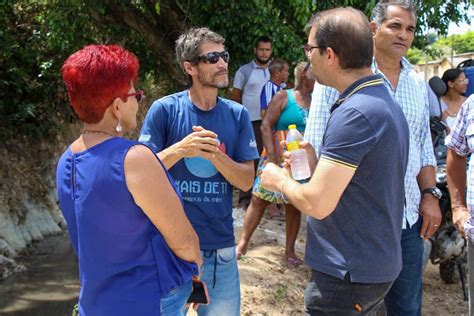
(270, 287)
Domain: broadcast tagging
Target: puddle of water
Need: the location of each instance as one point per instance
(50, 286)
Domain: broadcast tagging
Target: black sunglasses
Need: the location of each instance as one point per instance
(308, 48)
(139, 95)
(213, 57)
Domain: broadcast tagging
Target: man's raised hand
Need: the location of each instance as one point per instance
(200, 143)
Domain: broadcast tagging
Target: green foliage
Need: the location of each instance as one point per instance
(463, 43)
(459, 43)
(28, 92)
(415, 55)
(436, 15)
(283, 21)
(36, 39)
(37, 36)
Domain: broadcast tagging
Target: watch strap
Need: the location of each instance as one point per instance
(428, 190)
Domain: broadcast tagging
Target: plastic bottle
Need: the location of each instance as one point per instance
(299, 161)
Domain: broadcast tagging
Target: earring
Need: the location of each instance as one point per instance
(118, 128)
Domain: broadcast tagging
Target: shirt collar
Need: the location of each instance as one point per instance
(406, 68)
(362, 83)
(254, 65)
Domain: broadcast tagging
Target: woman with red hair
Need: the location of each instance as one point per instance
(137, 250)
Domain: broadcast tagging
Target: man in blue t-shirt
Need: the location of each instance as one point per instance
(355, 197)
(207, 144)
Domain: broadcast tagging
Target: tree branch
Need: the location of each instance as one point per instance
(156, 36)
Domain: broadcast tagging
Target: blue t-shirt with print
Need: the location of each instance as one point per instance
(207, 195)
(368, 132)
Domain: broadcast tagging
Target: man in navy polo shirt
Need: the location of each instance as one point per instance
(207, 144)
(356, 195)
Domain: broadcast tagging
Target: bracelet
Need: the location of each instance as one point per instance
(284, 184)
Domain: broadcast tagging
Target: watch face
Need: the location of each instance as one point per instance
(437, 192)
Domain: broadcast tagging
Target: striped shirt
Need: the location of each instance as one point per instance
(412, 96)
(268, 91)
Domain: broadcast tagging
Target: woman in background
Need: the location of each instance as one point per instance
(456, 86)
(286, 107)
(137, 250)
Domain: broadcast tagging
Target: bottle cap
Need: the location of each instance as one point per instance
(292, 126)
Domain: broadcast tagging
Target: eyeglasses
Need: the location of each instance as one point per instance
(213, 57)
(139, 95)
(465, 80)
(308, 48)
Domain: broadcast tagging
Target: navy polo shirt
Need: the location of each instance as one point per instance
(367, 131)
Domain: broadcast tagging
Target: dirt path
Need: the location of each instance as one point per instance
(269, 286)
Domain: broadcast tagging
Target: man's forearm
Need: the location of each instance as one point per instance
(240, 175)
(426, 178)
(295, 194)
(170, 156)
(319, 197)
(456, 174)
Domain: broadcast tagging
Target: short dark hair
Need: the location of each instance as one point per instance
(350, 39)
(276, 64)
(262, 39)
(379, 12)
(188, 43)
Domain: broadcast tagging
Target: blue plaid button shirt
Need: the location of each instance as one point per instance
(412, 95)
(461, 140)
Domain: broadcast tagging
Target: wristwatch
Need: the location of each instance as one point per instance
(434, 190)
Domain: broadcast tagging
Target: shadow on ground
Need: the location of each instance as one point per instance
(49, 287)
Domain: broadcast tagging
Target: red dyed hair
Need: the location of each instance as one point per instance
(95, 76)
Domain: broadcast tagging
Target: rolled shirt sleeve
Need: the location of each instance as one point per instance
(457, 140)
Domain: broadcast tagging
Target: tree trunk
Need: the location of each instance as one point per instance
(159, 31)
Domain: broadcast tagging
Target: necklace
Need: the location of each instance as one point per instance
(98, 132)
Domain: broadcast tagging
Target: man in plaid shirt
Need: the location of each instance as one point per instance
(461, 143)
(393, 25)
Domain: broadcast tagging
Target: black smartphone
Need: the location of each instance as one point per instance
(199, 294)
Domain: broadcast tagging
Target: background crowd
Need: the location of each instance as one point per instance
(147, 218)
